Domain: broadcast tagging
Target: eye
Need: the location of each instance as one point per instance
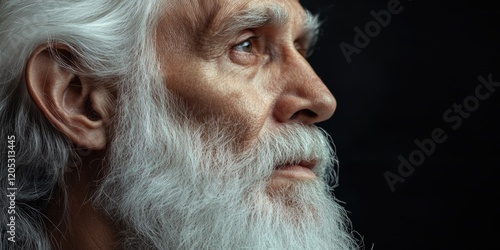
(248, 45)
(248, 51)
(245, 46)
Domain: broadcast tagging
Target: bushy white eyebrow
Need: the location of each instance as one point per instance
(254, 18)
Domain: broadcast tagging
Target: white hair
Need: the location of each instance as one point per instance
(169, 168)
(110, 39)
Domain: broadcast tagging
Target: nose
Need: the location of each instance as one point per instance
(304, 98)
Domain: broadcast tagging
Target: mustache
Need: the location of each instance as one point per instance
(294, 144)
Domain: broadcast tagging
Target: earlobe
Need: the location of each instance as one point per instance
(72, 103)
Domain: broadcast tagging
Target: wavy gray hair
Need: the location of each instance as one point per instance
(109, 39)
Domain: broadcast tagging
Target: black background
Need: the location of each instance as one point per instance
(396, 91)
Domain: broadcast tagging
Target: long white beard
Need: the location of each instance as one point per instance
(175, 185)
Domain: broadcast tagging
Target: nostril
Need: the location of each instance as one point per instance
(304, 113)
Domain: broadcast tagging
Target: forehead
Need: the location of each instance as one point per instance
(281, 11)
(194, 16)
(202, 9)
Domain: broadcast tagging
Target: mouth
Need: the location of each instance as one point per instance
(295, 171)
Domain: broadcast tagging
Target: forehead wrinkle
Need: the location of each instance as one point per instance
(183, 22)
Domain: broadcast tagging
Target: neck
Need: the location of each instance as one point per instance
(78, 225)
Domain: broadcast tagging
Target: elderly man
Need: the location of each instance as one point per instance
(164, 124)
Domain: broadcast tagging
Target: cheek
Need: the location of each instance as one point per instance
(240, 115)
(232, 101)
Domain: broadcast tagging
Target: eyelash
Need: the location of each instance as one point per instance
(251, 50)
(253, 40)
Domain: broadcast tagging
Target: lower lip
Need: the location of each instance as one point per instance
(295, 172)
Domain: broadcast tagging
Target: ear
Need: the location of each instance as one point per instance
(72, 103)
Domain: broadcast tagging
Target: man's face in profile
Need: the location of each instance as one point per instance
(243, 63)
(211, 143)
